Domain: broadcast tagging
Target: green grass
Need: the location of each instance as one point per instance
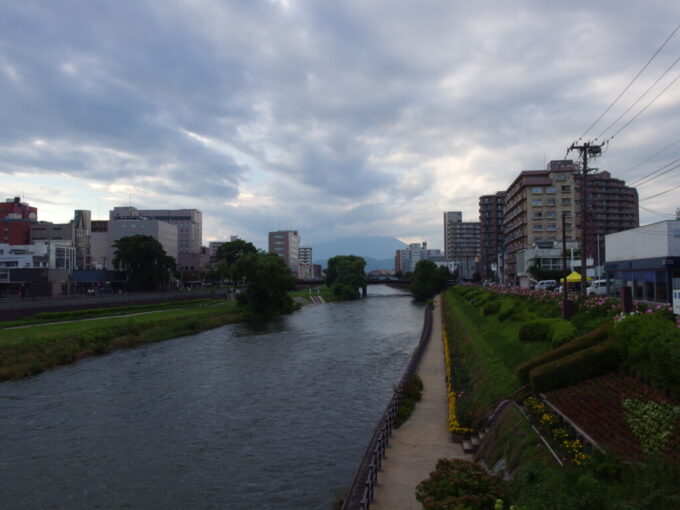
(48, 317)
(486, 351)
(31, 350)
(326, 293)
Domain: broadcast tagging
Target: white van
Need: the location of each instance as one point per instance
(546, 285)
(597, 288)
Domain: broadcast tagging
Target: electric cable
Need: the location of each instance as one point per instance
(659, 194)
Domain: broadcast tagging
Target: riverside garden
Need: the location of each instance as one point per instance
(568, 414)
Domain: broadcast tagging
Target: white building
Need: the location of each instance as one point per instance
(416, 252)
(41, 254)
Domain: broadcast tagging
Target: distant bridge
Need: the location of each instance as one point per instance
(304, 284)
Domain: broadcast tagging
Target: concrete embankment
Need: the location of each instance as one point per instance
(418, 444)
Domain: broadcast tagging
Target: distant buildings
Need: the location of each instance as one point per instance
(189, 223)
(286, 244)
(77, 231)
(406, 260)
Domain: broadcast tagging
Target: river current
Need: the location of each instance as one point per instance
(274, 415)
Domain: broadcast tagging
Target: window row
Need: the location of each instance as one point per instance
(549, 202)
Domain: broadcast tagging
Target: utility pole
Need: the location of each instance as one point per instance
(593, 150)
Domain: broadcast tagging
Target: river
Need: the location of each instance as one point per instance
(273, 415)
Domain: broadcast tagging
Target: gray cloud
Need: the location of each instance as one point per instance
(342, 117)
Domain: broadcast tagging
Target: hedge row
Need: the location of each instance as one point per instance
(588, 340)
(576, 367)
(556, 331)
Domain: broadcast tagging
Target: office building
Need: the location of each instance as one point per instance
(16, 219)
(286, 244)
(461, 241)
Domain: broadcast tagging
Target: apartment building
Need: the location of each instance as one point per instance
(534, 205)
(491, 233)
(406, 260)
(461, 242)
(611, 207)
(286, 244)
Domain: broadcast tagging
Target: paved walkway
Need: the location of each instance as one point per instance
(416, 446)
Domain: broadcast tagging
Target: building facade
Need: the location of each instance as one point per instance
(451, 218)
(461, 241)
(286, 244)
(491, 234)
(406, 260)
(77, 231)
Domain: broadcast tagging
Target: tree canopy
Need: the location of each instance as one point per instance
(345, 274)
(144, 260)
(231, 251)
(428, 280)
(268, 281)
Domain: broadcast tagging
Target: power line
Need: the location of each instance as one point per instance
(658, 213)
(648, 178)
(647, 159)
(658, 194)
(631, 82)
(639, 98)
(647, 106)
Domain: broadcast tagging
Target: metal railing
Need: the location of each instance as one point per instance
(361, 492)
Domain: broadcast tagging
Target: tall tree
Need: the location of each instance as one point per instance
(268, 281)
(231, 251)
(428, 280)
(345, 274)
(144, 260)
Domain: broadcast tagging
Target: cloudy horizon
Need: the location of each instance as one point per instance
(335, 119)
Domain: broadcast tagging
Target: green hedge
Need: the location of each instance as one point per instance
(650, 347)
(589, 339)
(491, 308)
(539, 330)
(576, 367)
(563, 331)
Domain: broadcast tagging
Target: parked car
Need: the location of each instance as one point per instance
(546, 285)
(597, 288)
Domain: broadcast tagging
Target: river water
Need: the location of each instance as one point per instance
(273, 415)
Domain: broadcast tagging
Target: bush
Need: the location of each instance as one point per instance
(562, 332)
(508, 308)
(460, 484)
(536, 331)
(576, 367)
(492, 308)
(588, 340)
(650, 347)
(412, 393)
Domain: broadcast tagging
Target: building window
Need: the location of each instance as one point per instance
(537, 189)
(561, 177)
(537, 214)
(537, 202)
(551, 214)
(538, 228)
(538, 239)
(550, 202)
(567, 226)
(566, 201)
(567, 214)
(550, 189)
(566, 188)
(551, 228)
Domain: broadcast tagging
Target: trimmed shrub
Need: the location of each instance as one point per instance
(508, 309)
(492, 308)
(650, 347)
(412, 393)
(562, 332)
(588, 340)
(460, 484)
(536, 331)
(576, 367)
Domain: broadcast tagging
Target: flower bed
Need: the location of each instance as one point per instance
(454, 425)
(596, 406)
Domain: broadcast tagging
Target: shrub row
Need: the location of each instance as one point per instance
(576, 367)
(589, 339)
(413, 390)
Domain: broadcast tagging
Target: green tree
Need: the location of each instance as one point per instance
(345, 275)
(428, 280)
(144, 260)
(268, 281)
(231, 251)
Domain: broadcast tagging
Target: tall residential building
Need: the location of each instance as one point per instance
(16, 218)
(534, 204)
(450, 219)
(491, 233)
(461, 241)
(286, 244)
(406, 260)
(126, 221)
(612, 207)
(305, 255)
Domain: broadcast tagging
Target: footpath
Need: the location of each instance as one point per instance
(416, 446)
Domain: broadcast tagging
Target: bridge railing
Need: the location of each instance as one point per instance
(361, 492)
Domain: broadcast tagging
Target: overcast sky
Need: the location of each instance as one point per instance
(335, 118)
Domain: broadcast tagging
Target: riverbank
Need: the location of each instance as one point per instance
(31, 350)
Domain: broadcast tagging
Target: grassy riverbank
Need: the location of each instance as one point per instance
(325, 292)
(31, 350)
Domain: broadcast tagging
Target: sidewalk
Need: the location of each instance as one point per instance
(417, 445)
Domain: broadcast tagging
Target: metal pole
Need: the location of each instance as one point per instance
(584, 228)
